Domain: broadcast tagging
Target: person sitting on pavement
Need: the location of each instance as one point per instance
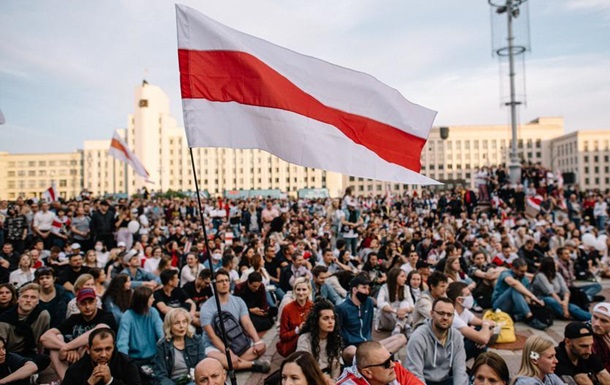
(600, 324)
(14, 369)
(293, 317)
(490, 368)
(437, 284)
(65, 341)
(321, 337)
(253, 292)
(301, 368)
(538, 363)
(170, 296)
(376, 366)
(356, 317)
(102, 363)
(215, 347)
(552, 289)
(22, 325)
(179, 351)
(139, 276)
(477, 333)
(321, 289)
(394, 303)
(511, 294)
(210, 371)
(576, 358)
(435, 351)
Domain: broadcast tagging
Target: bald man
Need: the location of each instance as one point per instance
(376, 366)
(210, 372)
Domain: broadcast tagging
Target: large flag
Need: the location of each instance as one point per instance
(119, 150)
(50, 194)
(239, 91)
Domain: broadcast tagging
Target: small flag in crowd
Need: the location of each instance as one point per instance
(51, 194)
(119, 150)
(239, 91)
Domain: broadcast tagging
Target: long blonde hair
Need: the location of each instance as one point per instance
(171, 317)
(534, 344)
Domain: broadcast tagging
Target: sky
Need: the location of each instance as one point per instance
(69, 69)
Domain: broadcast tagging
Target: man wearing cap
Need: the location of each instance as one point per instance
(65, 341)
(575, 356)
(139, 276)
(356, 316)
(600, 324)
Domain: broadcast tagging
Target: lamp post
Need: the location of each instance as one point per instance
(511, 9)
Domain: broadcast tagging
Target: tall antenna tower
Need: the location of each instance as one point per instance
(507, 15)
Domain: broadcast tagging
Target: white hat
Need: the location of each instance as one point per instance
(75, 246)
(602, 308)
(121, 244)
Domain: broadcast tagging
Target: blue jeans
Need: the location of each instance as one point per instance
(512, 302)
(601, 222)
(591, 290)
(576, 312)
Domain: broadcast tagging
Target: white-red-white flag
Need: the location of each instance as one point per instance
(51, 194)
(119, 150)
(240, 91)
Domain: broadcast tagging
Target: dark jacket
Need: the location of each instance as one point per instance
(58, 306)
(123, 371)
(163, 364)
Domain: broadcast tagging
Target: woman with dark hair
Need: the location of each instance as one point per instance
(180, 351)
(117, 297)
(490, 368)
(8, 296)
(140, 328)
(321, 337)
(415, 284)
(301, 368)
(376, 272)
(99, 279)
(14, 369)
(552, 289)
(394, 302)
(246, 259)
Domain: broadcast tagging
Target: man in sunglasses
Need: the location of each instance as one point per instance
(376, 366)
(435, 351)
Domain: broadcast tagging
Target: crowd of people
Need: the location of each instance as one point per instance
(104, 291)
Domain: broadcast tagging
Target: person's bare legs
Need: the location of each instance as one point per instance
(394, 343)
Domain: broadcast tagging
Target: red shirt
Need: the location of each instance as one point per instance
(293, 315)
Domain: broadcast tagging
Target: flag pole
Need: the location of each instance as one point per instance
(217, 299)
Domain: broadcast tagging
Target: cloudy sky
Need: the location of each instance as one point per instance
(68, 69)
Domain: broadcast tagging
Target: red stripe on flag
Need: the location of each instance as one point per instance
(229, 76)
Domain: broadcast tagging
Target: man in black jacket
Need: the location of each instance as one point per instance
(102, 225)
(102, 364)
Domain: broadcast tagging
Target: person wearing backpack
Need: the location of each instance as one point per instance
(246, 347)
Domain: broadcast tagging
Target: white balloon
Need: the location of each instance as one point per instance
(133, 227)
(588, 239)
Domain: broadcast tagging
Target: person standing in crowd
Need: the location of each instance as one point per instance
(538, 363)
(102, 225)
(435, 351)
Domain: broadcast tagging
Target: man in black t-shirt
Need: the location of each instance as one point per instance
(170, 296)
(200, 289)
(576, 359)
(70, 273)
(65, 341)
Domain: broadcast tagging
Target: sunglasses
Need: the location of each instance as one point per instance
(386, 364)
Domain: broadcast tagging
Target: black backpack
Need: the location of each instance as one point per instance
(543, 314)
(237, 339)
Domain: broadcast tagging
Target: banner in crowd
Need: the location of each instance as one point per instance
(51, 195)
(239, 91)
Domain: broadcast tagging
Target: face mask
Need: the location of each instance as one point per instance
(217, 256)
(361, 296)
(99, 248)
(468, 302)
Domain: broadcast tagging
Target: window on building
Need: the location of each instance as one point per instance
(586, 158)
(31, 164)
(11, 173)
(586, 180)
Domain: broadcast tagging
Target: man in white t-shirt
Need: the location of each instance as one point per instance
(477, 333)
